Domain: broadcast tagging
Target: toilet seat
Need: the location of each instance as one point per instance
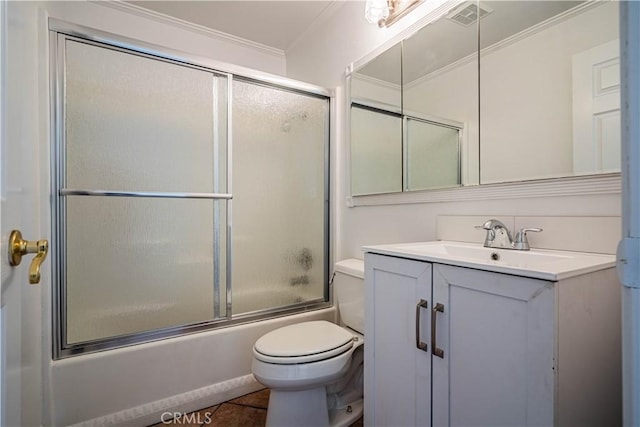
(303, 343)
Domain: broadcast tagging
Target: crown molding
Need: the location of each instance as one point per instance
(189, 26)
(550, 22)
(376, 82)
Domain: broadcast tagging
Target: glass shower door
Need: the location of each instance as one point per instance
(145, 243)
(142, 193)
(280, 199)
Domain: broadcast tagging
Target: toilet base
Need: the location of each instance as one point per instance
(309, 408)
(344, 417)
(298, 408)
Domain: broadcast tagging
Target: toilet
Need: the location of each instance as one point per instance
(315, 369)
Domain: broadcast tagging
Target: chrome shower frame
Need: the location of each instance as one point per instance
(59, 32)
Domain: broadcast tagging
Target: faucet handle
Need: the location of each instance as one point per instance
(488, 238)
(486, 226)
(521, 242)
(498, 235)
(535, 230)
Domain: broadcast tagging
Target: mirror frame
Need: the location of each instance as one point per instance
(583, 185)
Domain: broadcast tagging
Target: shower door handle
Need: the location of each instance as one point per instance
(18, 247)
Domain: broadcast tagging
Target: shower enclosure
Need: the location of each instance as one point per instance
(186, 197)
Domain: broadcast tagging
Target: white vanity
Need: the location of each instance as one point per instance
(461, 335)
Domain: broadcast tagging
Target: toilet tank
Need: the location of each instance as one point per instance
(348, 291)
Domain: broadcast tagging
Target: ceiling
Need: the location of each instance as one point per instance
(277, 24)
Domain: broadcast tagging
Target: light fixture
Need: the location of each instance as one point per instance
(386, 12)
(376, 11)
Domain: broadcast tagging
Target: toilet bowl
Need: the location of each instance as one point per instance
(314, 369)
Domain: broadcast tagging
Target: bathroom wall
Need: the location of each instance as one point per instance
(316, 59)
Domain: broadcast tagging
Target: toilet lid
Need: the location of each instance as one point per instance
(303, 343)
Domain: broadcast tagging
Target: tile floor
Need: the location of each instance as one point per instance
(245, 411)
(249, 410)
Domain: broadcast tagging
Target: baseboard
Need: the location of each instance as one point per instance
(151, 413)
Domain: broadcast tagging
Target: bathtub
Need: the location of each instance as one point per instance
(253, 300)
(135, 385)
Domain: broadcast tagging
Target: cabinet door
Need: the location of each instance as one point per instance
(497, 336)
(397, 373)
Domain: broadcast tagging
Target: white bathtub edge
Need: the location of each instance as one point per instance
(151, 413)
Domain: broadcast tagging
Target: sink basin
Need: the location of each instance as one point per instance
(530, 259)
(536, 263)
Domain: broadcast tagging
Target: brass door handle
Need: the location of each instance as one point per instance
(19, 247)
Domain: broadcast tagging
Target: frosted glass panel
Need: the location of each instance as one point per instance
(136, 264)
(376, 152)
(134, 123)
(131, 268)
(278, 197)
(433, 156)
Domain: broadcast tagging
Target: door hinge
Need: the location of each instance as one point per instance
(628, 262)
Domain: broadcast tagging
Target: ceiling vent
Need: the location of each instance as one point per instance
(467, 13)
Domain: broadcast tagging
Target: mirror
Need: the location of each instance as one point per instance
(376, 125)
(440, 88)
(541, 99)
(550, 90)
(379, 81)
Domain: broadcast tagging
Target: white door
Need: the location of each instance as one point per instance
(596, 109)
(21, 187)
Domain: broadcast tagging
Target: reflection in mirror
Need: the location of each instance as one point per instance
(376, 151)
(440, 85)
(376, 125)
(550, 89)
(432, 153)
(379, 80)
(429, 82)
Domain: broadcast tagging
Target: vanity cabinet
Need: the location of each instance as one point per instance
(502, 349)
(398, 375)
(496, 333)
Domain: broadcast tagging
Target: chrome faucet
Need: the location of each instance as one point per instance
(498, 236)
(521, 243)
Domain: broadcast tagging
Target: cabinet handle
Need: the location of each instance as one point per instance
(421, 345)
(434, 348)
